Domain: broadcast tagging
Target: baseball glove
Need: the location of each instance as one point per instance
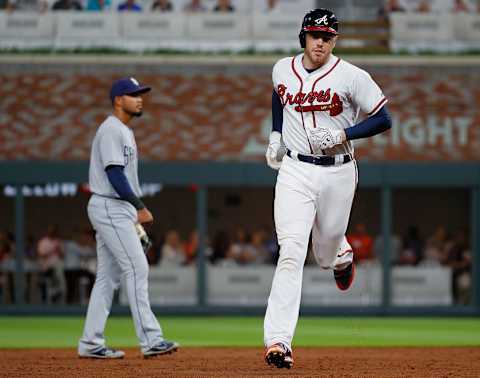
(144, 238)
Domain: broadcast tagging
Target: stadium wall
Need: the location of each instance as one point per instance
(53, 105)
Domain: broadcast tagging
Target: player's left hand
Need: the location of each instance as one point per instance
(273, 149)
(323, 138)
(144, 216)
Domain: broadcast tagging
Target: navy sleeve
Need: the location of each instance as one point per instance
(376, 124)
(120, 183)
(277, 113)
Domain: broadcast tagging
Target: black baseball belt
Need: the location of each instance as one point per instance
(325, 160)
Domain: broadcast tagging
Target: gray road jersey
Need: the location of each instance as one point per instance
(114, 144)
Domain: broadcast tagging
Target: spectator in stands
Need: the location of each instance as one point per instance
(435, 247)
(191, 247)
(172, 251)
(162, 6)
(362, 243)
(271, 243)
(25, 5)
(221, 246)
(396, 248)
(388, 7)
(271, 5)
(129, 6)
(460, 6)
(43, 6)
(67, 5)
(7, 5)
(194, 6)
(50, 254)
(224, 6)
(239, 244)
(79, 262)
(459, 259)
(99, 5)
(256, 251)
(5, 247)
(412, 249)
(424, 6)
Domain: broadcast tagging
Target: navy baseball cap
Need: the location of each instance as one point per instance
(127, 86)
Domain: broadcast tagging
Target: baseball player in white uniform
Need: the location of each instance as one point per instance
(316, 100)
(114, 211)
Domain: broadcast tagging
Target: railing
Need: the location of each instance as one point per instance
(174, 31)
(250, 286)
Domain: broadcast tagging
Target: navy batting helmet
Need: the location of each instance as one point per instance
(320, 19)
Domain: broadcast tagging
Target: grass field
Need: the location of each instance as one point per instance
(57, 332)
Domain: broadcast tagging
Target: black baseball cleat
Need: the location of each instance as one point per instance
(279, 355)
(103, 353)
(164, 347)
(344, 278)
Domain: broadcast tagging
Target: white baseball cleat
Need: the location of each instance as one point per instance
(103, 353)
(165, 347)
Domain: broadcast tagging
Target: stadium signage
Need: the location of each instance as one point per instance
(68, 189)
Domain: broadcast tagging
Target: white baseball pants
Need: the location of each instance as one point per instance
(120, 255)
(307, 198)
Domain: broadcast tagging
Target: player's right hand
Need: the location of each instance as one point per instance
(144, 216)
(272, 150)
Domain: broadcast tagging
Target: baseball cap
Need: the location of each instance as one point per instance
(127, 86)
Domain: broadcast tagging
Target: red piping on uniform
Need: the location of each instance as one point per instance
(315, 83)
(300, 91)
(382, 101)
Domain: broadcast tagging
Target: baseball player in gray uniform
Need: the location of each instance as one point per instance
(114, 211)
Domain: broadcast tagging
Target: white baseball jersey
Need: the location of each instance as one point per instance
(312, 199)
(114, 144)
(331, 96)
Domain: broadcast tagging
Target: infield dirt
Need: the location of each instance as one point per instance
(248, 362)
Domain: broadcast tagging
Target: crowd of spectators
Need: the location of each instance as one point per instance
(427, 6)
(237, 248)
(62, 269)
(120, 5)
(385, 7)
(57, 269)
(442, 248)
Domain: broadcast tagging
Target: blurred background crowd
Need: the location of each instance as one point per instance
(205, 127)
(61, 265)
(383, 7)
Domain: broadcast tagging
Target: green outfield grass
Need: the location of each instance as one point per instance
(55, 332)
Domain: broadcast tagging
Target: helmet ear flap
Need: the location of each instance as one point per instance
(302, 39)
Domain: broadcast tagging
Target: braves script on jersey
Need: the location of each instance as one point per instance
(331, 96)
